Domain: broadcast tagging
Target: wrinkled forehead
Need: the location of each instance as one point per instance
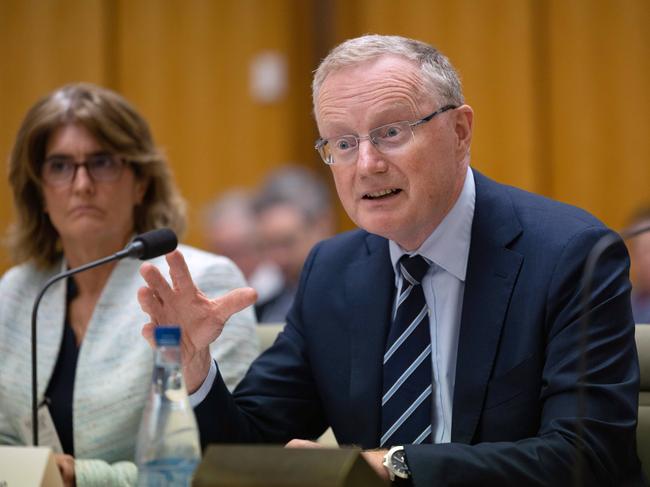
(377, 84)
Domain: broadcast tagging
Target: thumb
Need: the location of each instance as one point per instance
(234, 301)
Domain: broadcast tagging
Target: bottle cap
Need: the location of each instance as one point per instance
(167, 335)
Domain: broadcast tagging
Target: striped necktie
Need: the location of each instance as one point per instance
(406, 400)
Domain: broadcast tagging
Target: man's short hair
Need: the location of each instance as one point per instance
(438, 74)
(299, 187)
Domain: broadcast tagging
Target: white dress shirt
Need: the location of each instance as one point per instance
(444, 286)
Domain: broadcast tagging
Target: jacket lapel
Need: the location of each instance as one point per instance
(369, 291)
(491, 274)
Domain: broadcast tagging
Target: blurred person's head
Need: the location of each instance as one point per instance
(639, 248)
(84, 168)
(294, 212)
(230, 229)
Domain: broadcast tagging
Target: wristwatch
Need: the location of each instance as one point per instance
(395, 462)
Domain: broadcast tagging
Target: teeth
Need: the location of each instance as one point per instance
(378, 194)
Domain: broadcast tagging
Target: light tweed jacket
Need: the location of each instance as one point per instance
(114, 364)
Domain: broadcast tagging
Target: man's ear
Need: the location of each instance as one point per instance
(464, 123)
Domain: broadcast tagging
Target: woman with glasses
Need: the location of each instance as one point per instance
(86, 177)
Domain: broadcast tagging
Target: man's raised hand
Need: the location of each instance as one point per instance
(201, 319)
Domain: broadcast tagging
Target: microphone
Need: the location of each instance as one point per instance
(145, 246)
(149, 245)
(597, 251)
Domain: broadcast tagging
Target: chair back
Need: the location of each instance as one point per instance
(642, 336)
(267, 333)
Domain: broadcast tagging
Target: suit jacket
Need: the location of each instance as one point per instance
(515, 413)
(114, 365)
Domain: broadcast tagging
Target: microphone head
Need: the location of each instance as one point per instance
(153, 244)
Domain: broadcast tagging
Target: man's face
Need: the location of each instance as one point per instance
(235, 236)
(403, 196)
(286, 238)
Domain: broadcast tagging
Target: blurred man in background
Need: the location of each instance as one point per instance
(294, 211)
(230, 228)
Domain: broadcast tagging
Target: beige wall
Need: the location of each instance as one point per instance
(559, 87)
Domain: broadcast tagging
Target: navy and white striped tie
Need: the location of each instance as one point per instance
(406, 400)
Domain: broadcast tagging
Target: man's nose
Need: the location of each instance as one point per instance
(369, 158)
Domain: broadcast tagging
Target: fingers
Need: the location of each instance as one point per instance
(297, 443)
(150, 303)
(234, 301)
(178, 271)
(156, 281)
(66, 468)
(148, 334)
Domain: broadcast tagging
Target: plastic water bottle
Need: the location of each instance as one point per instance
(168, 449)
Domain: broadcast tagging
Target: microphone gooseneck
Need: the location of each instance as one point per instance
(597, 251)
(145, 246)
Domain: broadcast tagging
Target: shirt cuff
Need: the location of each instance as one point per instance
(197, 397)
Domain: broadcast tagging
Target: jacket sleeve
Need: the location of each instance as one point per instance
(98, 473)
(276, 401)
(8, 434)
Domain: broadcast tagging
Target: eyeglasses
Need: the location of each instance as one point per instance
(102, 168)
(387, 138)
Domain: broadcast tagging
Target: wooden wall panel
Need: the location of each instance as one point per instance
(187, 65)
(599, 74)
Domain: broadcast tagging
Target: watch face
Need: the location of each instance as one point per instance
(395, 462)
(398, 461)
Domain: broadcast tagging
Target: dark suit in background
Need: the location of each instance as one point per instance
(515, 400)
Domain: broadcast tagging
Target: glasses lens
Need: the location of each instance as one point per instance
(342, 149)
(100, 167)
(57, 170)
(104, 167)
(391, 136)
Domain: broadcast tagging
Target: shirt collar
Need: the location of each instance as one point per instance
(448, 244)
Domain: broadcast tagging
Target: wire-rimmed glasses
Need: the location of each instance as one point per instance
(343, 149)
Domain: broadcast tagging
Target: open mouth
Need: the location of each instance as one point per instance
(384, 193)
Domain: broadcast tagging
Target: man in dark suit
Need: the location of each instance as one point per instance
(444, 337)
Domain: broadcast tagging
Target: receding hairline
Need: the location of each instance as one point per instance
(438, 75)
(388, 71)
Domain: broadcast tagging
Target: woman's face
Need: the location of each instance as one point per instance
(88, 210)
